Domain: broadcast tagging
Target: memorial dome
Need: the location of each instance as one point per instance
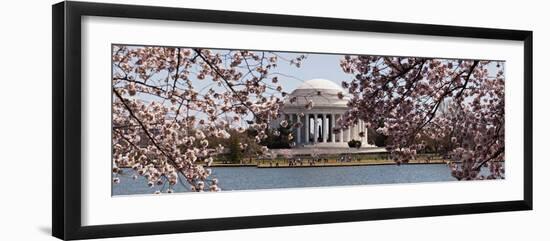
(322, 92)
(323, 84)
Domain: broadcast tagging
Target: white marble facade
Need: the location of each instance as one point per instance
(318, 122)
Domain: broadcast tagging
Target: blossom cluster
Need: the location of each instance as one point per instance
(458, 104)
(169, 101)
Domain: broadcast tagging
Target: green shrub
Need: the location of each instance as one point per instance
(354, 144)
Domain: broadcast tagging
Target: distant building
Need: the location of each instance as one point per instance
(319, 121)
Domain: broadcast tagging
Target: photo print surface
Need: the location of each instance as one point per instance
(194, 119)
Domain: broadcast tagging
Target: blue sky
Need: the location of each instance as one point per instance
(324, 66)
(315, 66)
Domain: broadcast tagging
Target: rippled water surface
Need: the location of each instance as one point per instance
(247, 178)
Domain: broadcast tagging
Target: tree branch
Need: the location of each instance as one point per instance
(449, 90)
(495, 155)
(177, 71)
(143, 127)
(229, 85)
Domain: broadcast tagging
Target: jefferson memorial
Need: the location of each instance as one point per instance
(319, 121)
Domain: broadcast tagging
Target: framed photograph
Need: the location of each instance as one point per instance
(169, 120)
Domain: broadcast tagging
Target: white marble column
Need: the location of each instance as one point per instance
(316, 128)
(341, 132)
(349, 134)
(333, 136)
(360, 130)
(307, 128)
(366, 138)
(364, 130)
(325, 128)
(298, 130)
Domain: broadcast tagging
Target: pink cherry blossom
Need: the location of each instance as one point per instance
(456, 103)
(162, 119)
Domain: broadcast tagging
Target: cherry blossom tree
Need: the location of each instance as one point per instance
(167, 102)
(404, 98)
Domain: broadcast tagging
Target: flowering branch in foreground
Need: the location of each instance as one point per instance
(456, 103)
(168, 102)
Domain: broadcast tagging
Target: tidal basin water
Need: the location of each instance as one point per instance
(250, 178)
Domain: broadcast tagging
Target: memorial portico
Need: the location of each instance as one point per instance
(319, 121)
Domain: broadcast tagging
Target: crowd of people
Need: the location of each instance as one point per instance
(312, 162)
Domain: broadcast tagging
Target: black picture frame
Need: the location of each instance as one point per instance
(66, 128)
